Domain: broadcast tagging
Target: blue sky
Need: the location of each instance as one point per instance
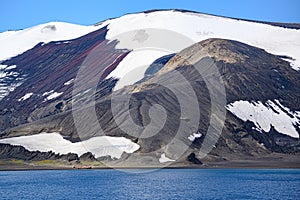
(22, 14)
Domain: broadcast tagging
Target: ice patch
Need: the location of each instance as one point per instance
(263, 116)
(164, 159)
(99, 146)
(25, 97)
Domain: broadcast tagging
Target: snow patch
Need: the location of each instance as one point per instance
(46, 93)
(11, 67)
(69, 82)
(9, 80)
(99, 146)
(6, 89)
(3, 74)
(51, 95)
(194, 136)
(54, 95)
(265, 115)
(132, 68)
(25, 97)
(3, 67)
(164, 159)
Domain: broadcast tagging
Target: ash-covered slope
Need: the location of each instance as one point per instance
(45, 75)
(249, 74)
(178, 96)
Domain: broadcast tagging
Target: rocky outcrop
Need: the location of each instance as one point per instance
(192, 158)
(8, 152)
(87, 157)
(18, 152)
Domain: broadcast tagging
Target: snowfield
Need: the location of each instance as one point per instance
(13, 43)
(161, 33)
(264, 115)
(99, 146)
(174, 31)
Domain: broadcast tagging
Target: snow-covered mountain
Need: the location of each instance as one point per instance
(191, 27)
(40, 83)
(16, 42)
(194, 27)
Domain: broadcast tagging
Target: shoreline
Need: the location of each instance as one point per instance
(274, 161)
(50, 168)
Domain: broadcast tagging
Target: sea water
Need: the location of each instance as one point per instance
(157, 184)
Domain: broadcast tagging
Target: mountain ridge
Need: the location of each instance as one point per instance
(292, 25)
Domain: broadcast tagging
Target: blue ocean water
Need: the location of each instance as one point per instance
(161, 184)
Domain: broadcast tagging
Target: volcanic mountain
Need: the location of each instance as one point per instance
(156, 88)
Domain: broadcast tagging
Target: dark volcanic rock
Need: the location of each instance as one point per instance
(69, 157)
(87, 157)
(248, 73)
(18, 152)
(47, 67)
(193, 159)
